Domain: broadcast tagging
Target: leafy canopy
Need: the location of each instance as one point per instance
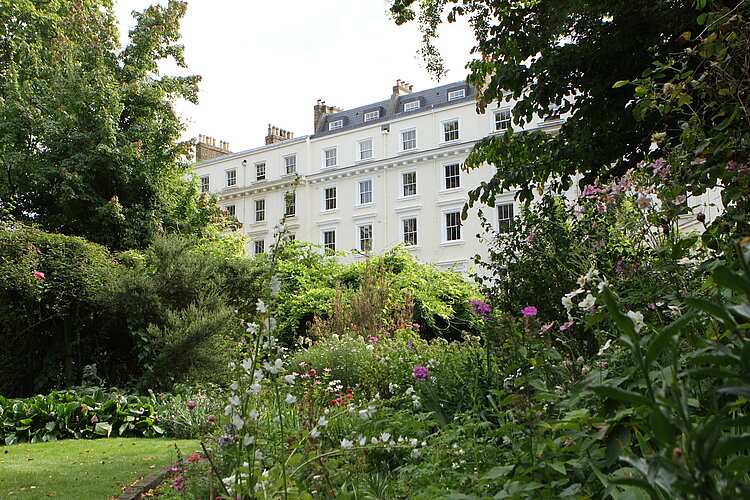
(88, 135)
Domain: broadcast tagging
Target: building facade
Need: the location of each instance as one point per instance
(370, 178)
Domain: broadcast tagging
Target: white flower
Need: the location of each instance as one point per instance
(326, 411)
(258, 375)
(234, 400)
(363, 414)
(275, 281)
(264, 473)
(290, 399)
(258, 455)
(234, 386)
(237, 422)
(374, 440)
(362, 440)
(248, 440)
(322, 421)
(253, 414)
(370, 347)
(606, 346)
(603, 283)
(637, 320)
(314, 432)
(413, 442)
(351, 409)
(567, 301)
(588, 302)
(345, 443)
(409, 391)
(384, 437)
(415, 453)
(247, 364)
(275, 367)
(252, 328)
(254, 388)
(231, 365)
(261, 306)
(289, 379)
(228, 409)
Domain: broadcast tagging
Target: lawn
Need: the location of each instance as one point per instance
(83, 469)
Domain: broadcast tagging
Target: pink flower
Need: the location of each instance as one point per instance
(94, 419)
(211, 418)
(566, 325)
(421, 373)
(374, 339)
(191, 405)
(39, 275)
(529, 311)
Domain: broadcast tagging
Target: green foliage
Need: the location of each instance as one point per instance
(190, 412)
(49, 284)
(406, 291)
(180, 304)
(88, 414)
(88, 136)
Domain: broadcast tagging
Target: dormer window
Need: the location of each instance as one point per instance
(456, 94)
(336, 124)
(372, 115)
(411, 105)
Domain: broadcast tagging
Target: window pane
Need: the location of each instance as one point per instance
(365, 238)
(450, 130)
(409, 180)
(504, 217)
(330, 198)
(365, 191)
(291, 164)
(260, 171)
(453, 226)
(409, 139)
(260, 210)
(410, 231)
(452, 176)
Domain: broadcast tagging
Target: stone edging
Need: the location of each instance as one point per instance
(135, 491)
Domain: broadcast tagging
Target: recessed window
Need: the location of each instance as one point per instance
(456, 94)
(335, 124)
(231, 210)
(408, 139)
(260, 171)
(205, 184)
(290, 163)
(364, 149)
(411, 105)
(504, 217)
(231, 177)
(450, 130)
(452, 176)
(330, 157)
(365, 191)
(260, 210)
(409, 183)
(290, 203)
(329, 198)
(410, 231)
(372, 115)
(259, 247)
(365, 238)
(502, 120)
(329, 240)
(453, 226)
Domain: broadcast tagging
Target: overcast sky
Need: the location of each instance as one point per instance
(270, 61)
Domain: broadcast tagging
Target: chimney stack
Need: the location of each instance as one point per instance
(402, 88)
(206, 148)
(276, 134)
(321, 110)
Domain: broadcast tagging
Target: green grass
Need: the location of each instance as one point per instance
(83, 469)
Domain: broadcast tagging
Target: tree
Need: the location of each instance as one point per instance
(563, 56)
(88, 136)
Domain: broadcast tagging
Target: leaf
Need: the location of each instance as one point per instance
(731, 445)
(500, 471)
(729, 279)
(103, 428)
(621, 395)
(712, 309)
(623, 322)
(741, 391)
(621, 83)
(663, 338)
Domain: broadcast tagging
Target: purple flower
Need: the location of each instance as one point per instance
(480, 308)
(566, 325)
(421, 373)
(529, 311)
(211, 418)
(191, 405)
(374, 339)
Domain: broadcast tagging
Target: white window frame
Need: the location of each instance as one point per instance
(361, 156)
(325, 199)
(447, 135)
(259, 247)
(360, 193)
(360, 241)
(260, 210)
(260, 171)
(505, 220)
(334, 157)
(231, 210)
(454, 95)
(412, 105)
(406, 236)
(404, 184)
(453, 214)
(457, 176)
(371, 115)
(231, 177)
(325, 244)
(402, 141)
(336, 124)
(502, 123)
(205, 183)
(290, 161)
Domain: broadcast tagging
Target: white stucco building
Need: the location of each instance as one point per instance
(370, 178)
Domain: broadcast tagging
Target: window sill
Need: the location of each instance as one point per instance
(453, 243)
(365, 205)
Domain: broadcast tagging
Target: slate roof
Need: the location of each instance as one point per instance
(435, 97)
